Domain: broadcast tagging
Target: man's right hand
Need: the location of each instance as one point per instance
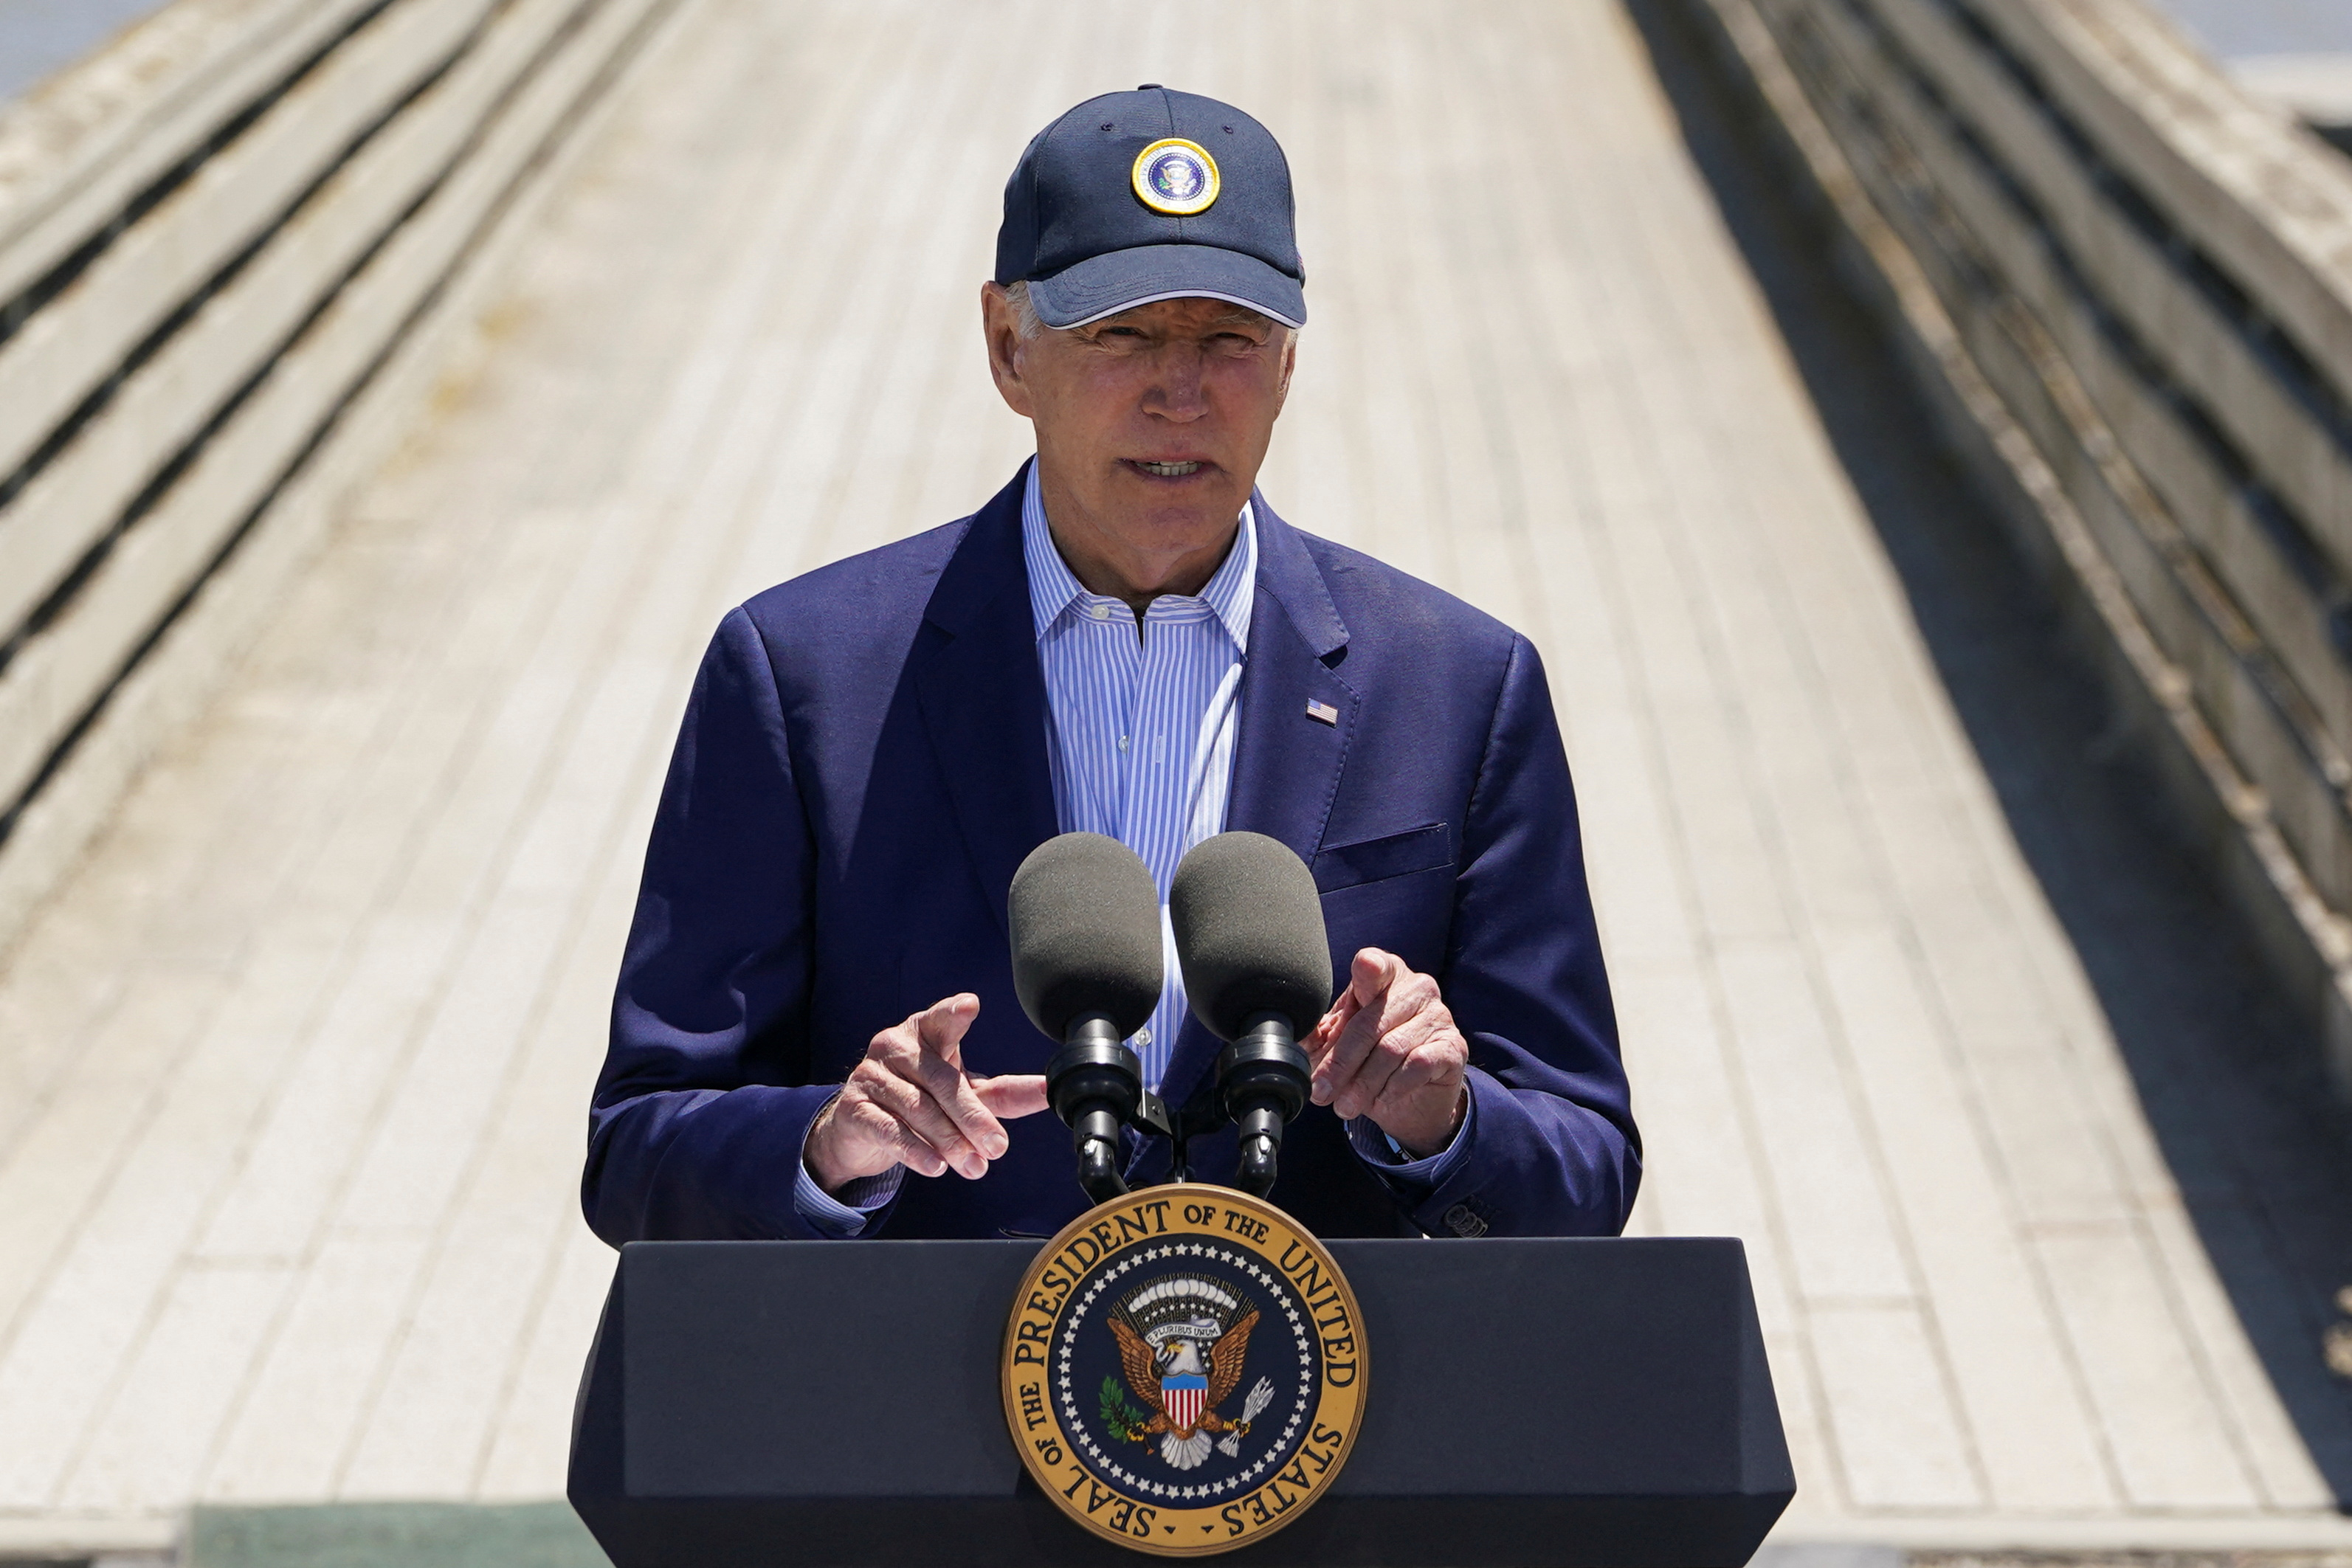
(910, 1102)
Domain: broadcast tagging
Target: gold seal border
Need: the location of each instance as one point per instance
(1159, 203)
(1025, 1371)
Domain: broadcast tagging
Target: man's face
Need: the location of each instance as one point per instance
(1151, 427)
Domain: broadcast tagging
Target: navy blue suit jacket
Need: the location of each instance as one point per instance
(861, 767)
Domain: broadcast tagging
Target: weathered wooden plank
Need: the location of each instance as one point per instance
(58, 671)
(2273, 204)
(2179, 325)
(2262, 712)
(125, 1472)
(82, 339)
(2176, 325)
(75, 153)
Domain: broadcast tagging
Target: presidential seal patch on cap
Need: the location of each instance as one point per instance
(1184, 1370)
(1176, 177)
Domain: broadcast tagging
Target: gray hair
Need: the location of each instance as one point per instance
(1024, 309)
(1027, 323)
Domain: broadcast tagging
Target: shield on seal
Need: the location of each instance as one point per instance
(1181, 1396)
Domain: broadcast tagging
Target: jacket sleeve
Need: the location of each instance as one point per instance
(696, 1128)
(1552, 1146)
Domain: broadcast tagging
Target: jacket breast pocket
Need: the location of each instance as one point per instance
(1429, 848)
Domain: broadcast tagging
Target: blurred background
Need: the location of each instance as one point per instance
(1918, 433)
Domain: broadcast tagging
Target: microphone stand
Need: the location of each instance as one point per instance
(1262, 1083)
(1095, 1085)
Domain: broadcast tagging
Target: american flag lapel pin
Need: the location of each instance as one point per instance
(1323, 713)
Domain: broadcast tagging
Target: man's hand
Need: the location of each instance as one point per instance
(910, 1102)
(1388, 1050)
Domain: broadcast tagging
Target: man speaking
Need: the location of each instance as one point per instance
(815, 1033)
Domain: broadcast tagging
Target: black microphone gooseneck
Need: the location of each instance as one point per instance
(1096, 1084)
(1085, 922)
(1261, 1079)
(1257, 969)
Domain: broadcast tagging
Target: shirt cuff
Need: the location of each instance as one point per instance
(845, 1217)
(1380, 1152)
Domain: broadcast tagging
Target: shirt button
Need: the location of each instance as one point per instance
(1143, 1037)
(1122, 742)
(1100, 612)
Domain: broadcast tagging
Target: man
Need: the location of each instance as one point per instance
(815, 1033)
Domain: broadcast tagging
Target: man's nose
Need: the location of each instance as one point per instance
(1179, 392)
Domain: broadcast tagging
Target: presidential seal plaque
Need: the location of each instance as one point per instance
(1184, 1370)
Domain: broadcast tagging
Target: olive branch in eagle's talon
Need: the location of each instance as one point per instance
(1122, 1420)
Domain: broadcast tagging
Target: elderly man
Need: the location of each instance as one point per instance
(815, 1033)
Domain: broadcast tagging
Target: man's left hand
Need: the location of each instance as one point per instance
(1388, 1050)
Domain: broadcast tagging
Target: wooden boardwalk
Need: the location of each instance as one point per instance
(293, 1072)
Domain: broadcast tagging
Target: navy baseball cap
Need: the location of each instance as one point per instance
(1151, 195)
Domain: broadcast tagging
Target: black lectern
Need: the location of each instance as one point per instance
(1531, 1404)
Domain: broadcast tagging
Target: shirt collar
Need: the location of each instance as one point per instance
(1054, 587)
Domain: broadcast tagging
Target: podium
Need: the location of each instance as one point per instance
(1529, 1404)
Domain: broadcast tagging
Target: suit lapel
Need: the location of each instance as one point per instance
(984, 697)
(1287, 760)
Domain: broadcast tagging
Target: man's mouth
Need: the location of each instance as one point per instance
(1166, 470)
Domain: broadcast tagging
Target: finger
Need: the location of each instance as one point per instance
(951, 1088)
(1328, 1027)
(1348, 1047)
(1404, 995)
(1429, 1064)
(1433, 1066)
(901, 1040)
(886, 1140)
(1426, 1102)
(1381, 1064)
(1375, 969)
(1011, 1095)
(885, 1102)
(921, 1114)
(915, 1154)
(1382, 1060)
(941, 1026)
(926, 1051)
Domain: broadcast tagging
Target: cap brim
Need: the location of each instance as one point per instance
(1119, 280)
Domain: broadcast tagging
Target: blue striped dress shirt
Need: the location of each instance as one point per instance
(1144, 714)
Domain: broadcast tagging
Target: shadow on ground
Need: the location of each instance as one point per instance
(2230, 1077)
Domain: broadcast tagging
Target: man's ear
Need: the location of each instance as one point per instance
(1004, 344)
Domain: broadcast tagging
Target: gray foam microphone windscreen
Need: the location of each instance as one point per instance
(1249, 931)
(1085, 918)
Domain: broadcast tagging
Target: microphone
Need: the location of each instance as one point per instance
(1085, 919)
(1257, 969)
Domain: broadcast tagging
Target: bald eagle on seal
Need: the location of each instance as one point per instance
(1217, 1357)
